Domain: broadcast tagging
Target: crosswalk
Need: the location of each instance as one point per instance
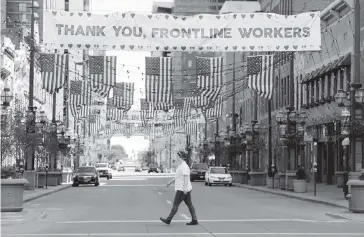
(11, 217)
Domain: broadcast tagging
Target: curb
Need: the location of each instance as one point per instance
(323, 202)
(46, 194)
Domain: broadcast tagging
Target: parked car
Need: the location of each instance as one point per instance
(86, 175)
(138, 168)
(198, 171)
(145, 167)
(218, 175)
(104, 170)
(121, 168)
(153, 168)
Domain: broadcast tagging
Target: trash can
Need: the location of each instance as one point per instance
(357, 196)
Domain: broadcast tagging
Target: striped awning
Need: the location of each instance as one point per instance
(343, 61)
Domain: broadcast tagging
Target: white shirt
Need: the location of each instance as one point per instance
(182, 171)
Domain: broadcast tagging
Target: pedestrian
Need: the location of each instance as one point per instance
(183, 188)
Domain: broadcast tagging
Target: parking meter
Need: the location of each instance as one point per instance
(46, 169)
(273, 170)
(314, 169)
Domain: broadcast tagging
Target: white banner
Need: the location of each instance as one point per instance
(163, 32)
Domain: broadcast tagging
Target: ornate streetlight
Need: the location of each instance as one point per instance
(6, 97)
(350, 126)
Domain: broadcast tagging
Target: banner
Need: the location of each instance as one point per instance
(164, 32)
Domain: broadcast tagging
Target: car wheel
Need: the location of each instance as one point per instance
(230, 185)
(205, 183)
(97, 183)
(75, 185)
(108, 177)
(209, 183)
(225, 184)
(148, 172)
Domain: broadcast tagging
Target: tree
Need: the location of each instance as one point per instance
(118, 151)
(146, 156)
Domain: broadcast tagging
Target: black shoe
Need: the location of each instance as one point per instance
(165, 221)
(193, 222)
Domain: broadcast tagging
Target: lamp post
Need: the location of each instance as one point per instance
(6, 98)
(350, 127)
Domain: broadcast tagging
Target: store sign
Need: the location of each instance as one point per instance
(164, 32)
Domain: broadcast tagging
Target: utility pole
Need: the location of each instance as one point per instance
(233, 118)
(29, 163)
(356, 81)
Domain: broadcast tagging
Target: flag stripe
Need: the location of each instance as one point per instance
(260, 75)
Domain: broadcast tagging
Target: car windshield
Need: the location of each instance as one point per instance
(200, 166)
(86, 170)
(101, 165)
(219, 171)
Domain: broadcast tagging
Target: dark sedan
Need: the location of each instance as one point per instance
(198, 171)
(153, 168)
(86, 175)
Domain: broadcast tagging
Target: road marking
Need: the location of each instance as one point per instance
(131, 185)
(157, 221)
(159, 193)
(184, 216)
(193, 234)
(102, 184)
(128, 179)
(169, 202)
(16, 220)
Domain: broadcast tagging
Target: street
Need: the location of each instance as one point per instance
(131, 203)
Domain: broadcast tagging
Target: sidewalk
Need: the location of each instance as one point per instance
(325, 194)
(30, 195)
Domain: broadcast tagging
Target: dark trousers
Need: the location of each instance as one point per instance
(178, 198)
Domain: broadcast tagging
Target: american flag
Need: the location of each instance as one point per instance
(123, 96)
(209, 79)
(191, 128)
(146, 110)
(158, 79)
(216, 110)
(260, 75)
(75, 97)
(53, 68)
(102, 73)
(162, 106)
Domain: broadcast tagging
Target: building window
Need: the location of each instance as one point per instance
(22, 7)
(23, 18)
(328, 86)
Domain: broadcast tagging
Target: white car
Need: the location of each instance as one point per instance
(104, 170)
(218, 175)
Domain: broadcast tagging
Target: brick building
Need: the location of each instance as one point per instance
(310, 84)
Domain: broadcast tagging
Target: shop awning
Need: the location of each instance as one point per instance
(343, 61)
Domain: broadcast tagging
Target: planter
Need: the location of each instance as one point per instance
(30, 175)
(282, 181)
(66, 176)
(299, 185)
(257, 178)
(12, 191)
(53, 178)
(270, 182)
(244, 177)
(240, 177)
(357, 195)
(339, 178)
(41, 179)
(289, 181)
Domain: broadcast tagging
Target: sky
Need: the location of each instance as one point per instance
(128, 61)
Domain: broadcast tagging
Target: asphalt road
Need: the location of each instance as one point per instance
(131, 204)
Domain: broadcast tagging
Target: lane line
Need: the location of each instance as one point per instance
(159, 193)
(169, 202)
(193, 234)
(185, 216)
(131, 185)
(128, 179)
(157, 221)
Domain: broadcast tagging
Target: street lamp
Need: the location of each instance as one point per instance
(6, 97)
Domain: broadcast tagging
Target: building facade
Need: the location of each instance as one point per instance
(310, 84)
